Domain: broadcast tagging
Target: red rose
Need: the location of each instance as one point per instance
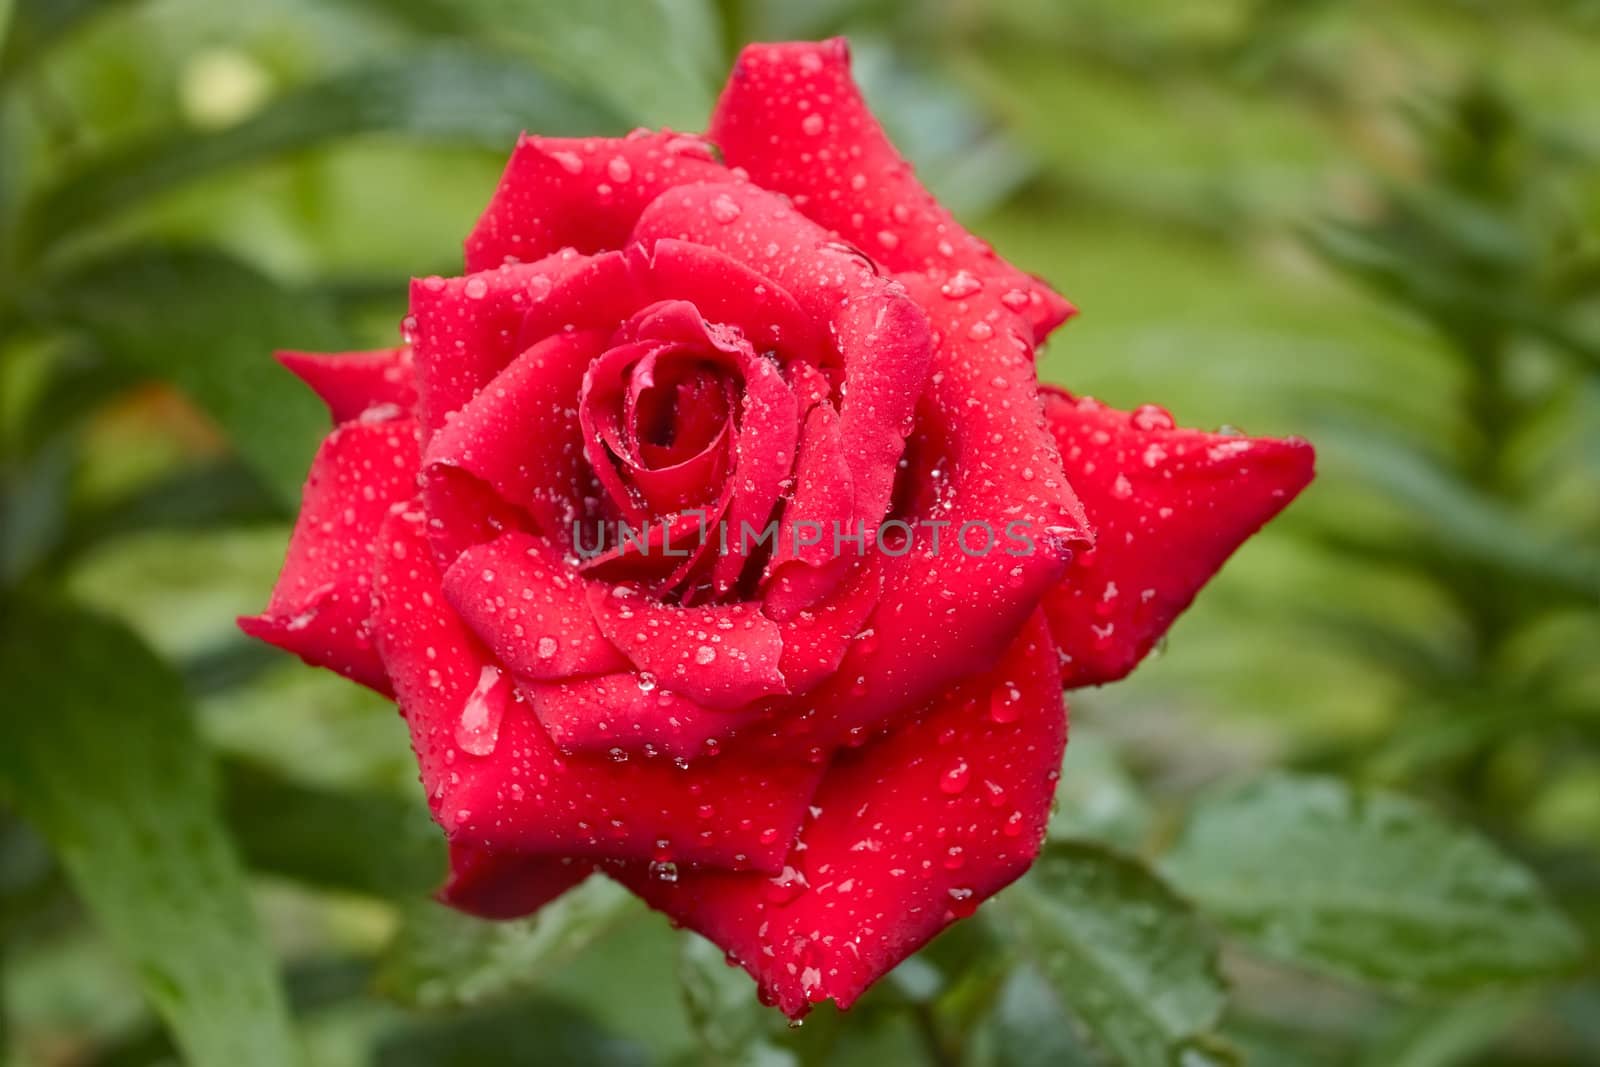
(818, 751)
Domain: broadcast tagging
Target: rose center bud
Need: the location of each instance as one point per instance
(684, 425)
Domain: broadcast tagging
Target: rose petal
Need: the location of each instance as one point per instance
(910, 834)
(815, 537)
(881, 336)
(322, 602)
(1171, 506)
(722, 657)
(501, 885)
(495, 780)
(464, 331)
(520, 437)
(582, 193)
(981, 456)
(730, 293)
(625, 713)
(528, 605)
(376, 386)
(792, 117)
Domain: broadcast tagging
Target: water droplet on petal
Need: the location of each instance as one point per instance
(962, 283)
(479, 727)
(1152, 417)
(955, 779)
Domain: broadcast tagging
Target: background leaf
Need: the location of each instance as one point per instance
(360, 842)
(98, 750)
(442, 958)
(1368, 885)
(1120, 950)
(730, 1023)
(448, 94)
(209, 324)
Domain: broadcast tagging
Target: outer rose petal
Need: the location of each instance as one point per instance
(912, 833)
(464, 331)
(500, 885)
(614, 713)
(582, 193)
(528, 606)
(981, 454)
(721, 656)
(375, 385)
(520, 437)
(1171, 506)
(321, 604)
(792, 117)
(495, 780)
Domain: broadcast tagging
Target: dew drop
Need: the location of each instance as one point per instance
(955, 779)
(1152, 417)
(479, 727)
(962, 283)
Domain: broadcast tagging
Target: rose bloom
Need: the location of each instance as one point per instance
(816, 753)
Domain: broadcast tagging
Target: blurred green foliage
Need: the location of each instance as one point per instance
(1375, 223)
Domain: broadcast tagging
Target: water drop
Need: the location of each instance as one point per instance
(955, 779)
(961, 284)
(479, 728)
(1152, 417)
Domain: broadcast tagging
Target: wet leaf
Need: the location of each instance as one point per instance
(1120, 950)
(731, 1024)
(442, 958)
(1366, 885)
(97, 749)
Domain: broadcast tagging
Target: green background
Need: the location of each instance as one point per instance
(1374, 223)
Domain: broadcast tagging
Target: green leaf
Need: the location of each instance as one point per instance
(448, 94)
(657, 62)
(1368, 886)
(1462, 523)
(730, 1023)
(361, 842)
(1026, 1028)
(1441, 1035)
(1121, 950)
(99, 752)
(524, 1034)
(28, 28)
(208, 324)
(1096, 797)
(444, 959)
